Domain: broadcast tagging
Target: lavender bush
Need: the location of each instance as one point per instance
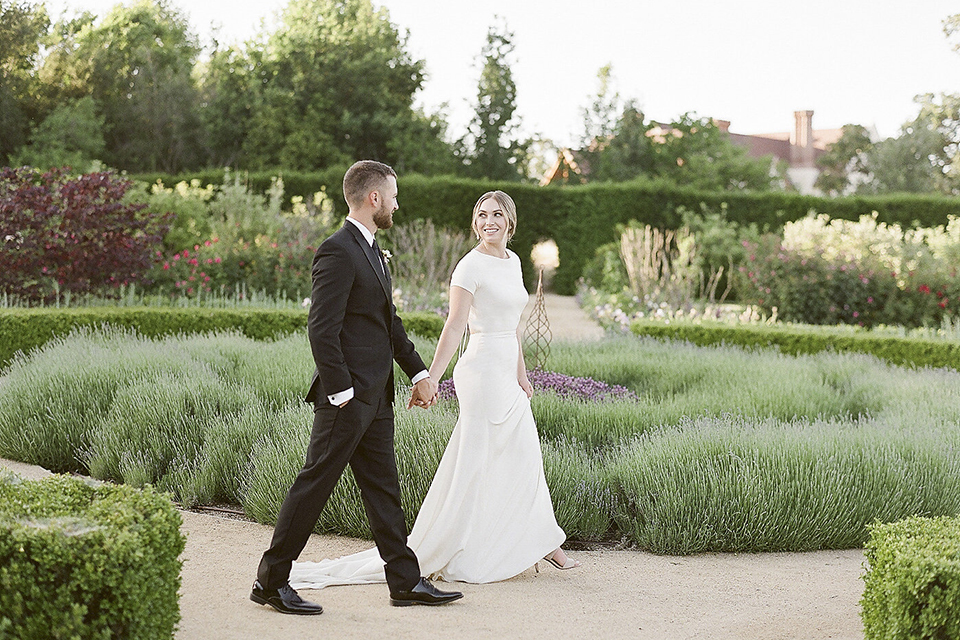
(715, 449)
(563, 385)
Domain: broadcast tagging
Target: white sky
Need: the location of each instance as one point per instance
(753, 62)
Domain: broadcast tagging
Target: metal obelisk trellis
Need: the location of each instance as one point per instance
(537, 333)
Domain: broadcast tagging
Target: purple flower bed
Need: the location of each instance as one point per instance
(567, 387)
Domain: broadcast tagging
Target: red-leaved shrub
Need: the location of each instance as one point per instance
(72, 234)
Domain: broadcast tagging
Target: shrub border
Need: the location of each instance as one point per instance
(893, 349)
(582, 218)
(23, 330)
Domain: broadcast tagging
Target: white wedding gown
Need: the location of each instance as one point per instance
(487, 515)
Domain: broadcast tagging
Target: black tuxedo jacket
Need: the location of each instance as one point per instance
(355, 333)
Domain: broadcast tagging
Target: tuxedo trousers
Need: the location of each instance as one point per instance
(361, 435)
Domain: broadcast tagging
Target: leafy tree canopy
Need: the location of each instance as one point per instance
(136, 63)
(22, 26)
(620, 144)
(332, 84)
(843, 159)
(491, 148)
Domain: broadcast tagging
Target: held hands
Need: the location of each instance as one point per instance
(424, 394)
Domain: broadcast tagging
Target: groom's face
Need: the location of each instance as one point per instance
(383, 217)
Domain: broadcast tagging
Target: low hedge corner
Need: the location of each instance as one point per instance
(912, 585)
(81, 559)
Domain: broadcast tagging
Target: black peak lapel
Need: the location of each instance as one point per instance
(375, 261)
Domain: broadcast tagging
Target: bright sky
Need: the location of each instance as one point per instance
(752, 62)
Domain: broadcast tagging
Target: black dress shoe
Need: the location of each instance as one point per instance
(284, 600)
(423, 593)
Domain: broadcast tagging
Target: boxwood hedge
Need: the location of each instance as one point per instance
(26, 329)
(912, 585)
(87, 560)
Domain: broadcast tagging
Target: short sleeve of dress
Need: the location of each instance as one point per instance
(465, 275)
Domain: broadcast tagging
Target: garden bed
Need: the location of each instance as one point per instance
(721, 449)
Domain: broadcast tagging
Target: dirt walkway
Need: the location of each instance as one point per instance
(566, 319)
(616, 594)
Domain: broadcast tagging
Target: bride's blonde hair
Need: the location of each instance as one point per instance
(506, 204)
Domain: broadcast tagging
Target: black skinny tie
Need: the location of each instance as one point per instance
(376, 250)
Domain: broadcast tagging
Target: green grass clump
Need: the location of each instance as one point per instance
(676, 381)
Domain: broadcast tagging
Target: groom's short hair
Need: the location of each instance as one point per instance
(362, 178)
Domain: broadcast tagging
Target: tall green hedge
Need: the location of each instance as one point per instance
(581, 218)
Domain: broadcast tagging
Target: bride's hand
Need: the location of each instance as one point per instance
(423, 395)
(526, 386)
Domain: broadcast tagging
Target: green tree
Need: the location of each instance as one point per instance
(689, 151)
(70, 136)
(694, 152)
(137, 64)
(22, 26)
(614, 143)
(419, 145)
(491, 148)
(912, 162)
(845, 157)
(601, 117)
(227, 88)
(333, 83)
(925, 157)
(619, 144)
(627, 152)
(942, 116)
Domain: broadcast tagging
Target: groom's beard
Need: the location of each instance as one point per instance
(383, 217)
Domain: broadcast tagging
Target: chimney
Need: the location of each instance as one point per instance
(802, 151)
(723, 125)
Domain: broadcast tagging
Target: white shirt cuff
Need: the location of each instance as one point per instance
(420, 376)
(339, 398)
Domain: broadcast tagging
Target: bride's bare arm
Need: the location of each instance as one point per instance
(453, 328)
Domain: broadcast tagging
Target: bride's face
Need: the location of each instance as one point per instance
(491, 223)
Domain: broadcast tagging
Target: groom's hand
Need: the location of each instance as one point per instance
(424, 394)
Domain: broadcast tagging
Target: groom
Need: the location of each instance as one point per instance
(355, 335)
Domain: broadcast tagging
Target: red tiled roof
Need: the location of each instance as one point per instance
(760, 146)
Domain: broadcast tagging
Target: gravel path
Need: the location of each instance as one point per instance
(618, 593)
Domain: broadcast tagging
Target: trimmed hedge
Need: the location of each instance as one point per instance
(81, 560)
(912, 586)
(26, 329)
(582, 218)
(895, 350)
(422, 323)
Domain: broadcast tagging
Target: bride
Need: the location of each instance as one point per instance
(488, 515)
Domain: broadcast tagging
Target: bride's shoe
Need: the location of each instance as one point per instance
(569, 563)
